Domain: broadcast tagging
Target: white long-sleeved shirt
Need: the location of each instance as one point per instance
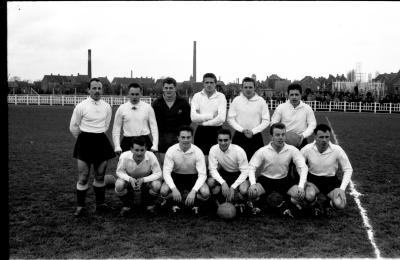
(203, 108)
(275, 165)
(135, 122)
(190, 162)
(327, 163)
(247, 113)
(149, 169)
(300, 120)
(234, 159)
(90, 116)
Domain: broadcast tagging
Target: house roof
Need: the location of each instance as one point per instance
(127, 81)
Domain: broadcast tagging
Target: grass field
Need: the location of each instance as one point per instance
(42, 179)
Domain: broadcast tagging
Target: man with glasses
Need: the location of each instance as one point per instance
(89, 122)
(136, 118)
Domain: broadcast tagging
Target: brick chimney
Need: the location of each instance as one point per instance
(90, 63)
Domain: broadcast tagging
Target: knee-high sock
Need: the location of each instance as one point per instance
(99, 191)
(81, 191)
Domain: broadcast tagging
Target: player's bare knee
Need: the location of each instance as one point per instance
(164, 191)
(204, 191)
(244, 187)
(211, 182)
(216, 189)
(155, 186)
(339, 203)
(310, 194)
(120, 185)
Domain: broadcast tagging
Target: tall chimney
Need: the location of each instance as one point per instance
(131, 74)
(90, 63)
(194, 61)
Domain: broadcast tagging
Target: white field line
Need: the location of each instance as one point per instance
(363, 212)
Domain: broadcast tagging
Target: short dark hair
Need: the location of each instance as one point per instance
(225, 131)
(210, 75)
(139, 140)
(135, 85)
(323, 128)
(294, 86)
(276, 125)
(187, 128)
(248, 79)
(169, 80)
(93, 80)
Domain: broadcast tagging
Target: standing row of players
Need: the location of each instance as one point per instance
(162, 128)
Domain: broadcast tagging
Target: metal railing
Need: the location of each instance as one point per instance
(67, 100)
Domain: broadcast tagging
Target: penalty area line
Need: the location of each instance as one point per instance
(356, 195)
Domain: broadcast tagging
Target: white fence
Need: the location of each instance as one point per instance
(61, 100)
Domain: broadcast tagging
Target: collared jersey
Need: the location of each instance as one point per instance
(90, 116)
(300, 120)
(149, 168)
(327, 163)
(170, 119)
(275, 165)
(135, 120)
(234, 159)
(203, 108)
(247, 113)
(190, 162)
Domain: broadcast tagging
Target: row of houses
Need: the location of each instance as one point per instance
(272, 85)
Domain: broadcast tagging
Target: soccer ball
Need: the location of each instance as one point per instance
(109, 180)
(226, 211)
(293, 139)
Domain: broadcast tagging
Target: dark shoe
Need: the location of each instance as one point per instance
(79, 212)
(240, 208)
(124, 211)
(329, 211)
(103, 208)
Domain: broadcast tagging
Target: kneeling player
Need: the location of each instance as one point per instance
(138, 169)
(184, 171)
(228, 168)
(273, 162)
(323, 159)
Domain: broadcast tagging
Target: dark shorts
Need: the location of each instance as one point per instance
(166, 140)
(126, 142)
(229, 177)
(323, 183)
(184, 181)
(93, 148)
(249, 145)
(205, 137)
(278, 185)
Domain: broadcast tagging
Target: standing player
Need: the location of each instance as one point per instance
(297, 116)
(89, 122)
(228, 168)
(172, 112)
(208, 110)
(249, 116)
(324, 158)
(185, 171)
(273, 161)
(137, 169)
(136, 119)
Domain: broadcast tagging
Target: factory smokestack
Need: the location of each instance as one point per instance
(90, 63)
(194, 61)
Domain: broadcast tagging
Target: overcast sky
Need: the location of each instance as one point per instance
(234, 39)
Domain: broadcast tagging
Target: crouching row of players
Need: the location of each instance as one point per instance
(233, 179)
